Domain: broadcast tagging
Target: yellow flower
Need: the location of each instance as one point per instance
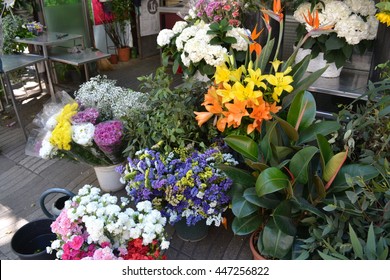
(244, 93)
(226, 93)
(62, 133)
(384, 17)
(235, 75)
(256, 78)
(222, 74)
(281, 81)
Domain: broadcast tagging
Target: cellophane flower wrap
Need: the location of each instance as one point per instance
(70, 130)
(350, 23)
(99, 227)
(184, 184)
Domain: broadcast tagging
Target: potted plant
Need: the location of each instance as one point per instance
(184, 185)
(101, 227)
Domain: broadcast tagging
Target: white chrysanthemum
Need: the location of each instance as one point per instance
(52, 122)
(373, 24)
(333, 12)
(301, 12)
(164, 37)
(362, 7)
(47, 150)
(353, 29)
(83, 133)
(239, 34)
(179, 26)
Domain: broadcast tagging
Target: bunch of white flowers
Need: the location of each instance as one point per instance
(353, 20)
(112, 101)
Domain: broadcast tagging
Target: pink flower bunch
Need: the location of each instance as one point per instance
(88, 115)
(215, 11)
(109, 136)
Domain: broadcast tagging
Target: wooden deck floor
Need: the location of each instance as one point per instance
(23, 179)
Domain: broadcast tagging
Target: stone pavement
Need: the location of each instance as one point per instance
(24, 178)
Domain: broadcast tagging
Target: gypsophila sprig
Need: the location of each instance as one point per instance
(183, 184)
(94, 227)
(113, 102)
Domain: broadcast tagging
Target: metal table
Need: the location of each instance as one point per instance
(14, 62)
(49, 39)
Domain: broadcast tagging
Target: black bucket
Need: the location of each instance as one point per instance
(31, 240)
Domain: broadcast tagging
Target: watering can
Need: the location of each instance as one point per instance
(30, 241)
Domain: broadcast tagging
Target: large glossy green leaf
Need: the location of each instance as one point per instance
(265, 144)
(243, 145)
(267, 201)
(320, 188)
(256, 165)
(299, 70)
(325, 149)
(303, 204)
(334, 165)
(271, 180)
(365, 171)
(299, 163)
(324, 127)
(246, 225)
(296, 108)
(281, 152)
(283, 219)
(305, 83)
(238, 175)
(265, 55)
(242, 208)
(288, 129)
(273, 242)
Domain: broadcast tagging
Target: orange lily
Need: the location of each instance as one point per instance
(254, 46)
(236, 112)
(203, 117)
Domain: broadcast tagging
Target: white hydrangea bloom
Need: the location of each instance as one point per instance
(333, 12)
(239, 34)
(373, 24)
(353, 29)
(179, 26)
(164, 37)
(362, 7)
(185, 35)
(83, 133)
(301, 12)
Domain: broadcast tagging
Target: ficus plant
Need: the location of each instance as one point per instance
(286, 175)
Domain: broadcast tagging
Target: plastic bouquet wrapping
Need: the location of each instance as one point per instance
(99, 227)
(70, 130)
(184, 184)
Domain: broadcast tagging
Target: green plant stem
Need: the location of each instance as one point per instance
(279, 40)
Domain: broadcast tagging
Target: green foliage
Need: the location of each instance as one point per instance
(170, 114)
(13, 26)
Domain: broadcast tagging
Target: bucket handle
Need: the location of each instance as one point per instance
(52, 191)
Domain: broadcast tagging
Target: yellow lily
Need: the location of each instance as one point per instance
(222, 74)
(226, 92)
(244, 93)
(281, 80)
(255, 77)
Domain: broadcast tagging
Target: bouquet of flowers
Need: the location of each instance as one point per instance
(185, 183)
(76, 132)
(202, 42)
(94, 227)
(350, 23)
(35, 27)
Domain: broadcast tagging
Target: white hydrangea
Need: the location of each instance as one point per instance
(179, 26)
(373, 24)
(239, 34)
(333, 12)
(353, 29)
(164, 37)
(83, 133)
(185, 35)
(362, 7)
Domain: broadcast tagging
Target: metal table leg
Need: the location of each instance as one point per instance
(11, 93)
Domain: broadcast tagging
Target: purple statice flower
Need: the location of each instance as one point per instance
(88, 115)
(109, 135)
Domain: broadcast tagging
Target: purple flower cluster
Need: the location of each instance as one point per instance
(215, 11)
(88, 115)
(182, 184)
(109, 135)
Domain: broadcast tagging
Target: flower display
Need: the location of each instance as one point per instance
(211, 31)
(214, 11)
(99, 227)
(350, 23)
(75, 132)
(384, 12)
(35, 27)
(184, 184)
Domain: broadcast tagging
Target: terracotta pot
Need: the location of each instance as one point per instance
(114, 59)
(124, 54)
(253, 247)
